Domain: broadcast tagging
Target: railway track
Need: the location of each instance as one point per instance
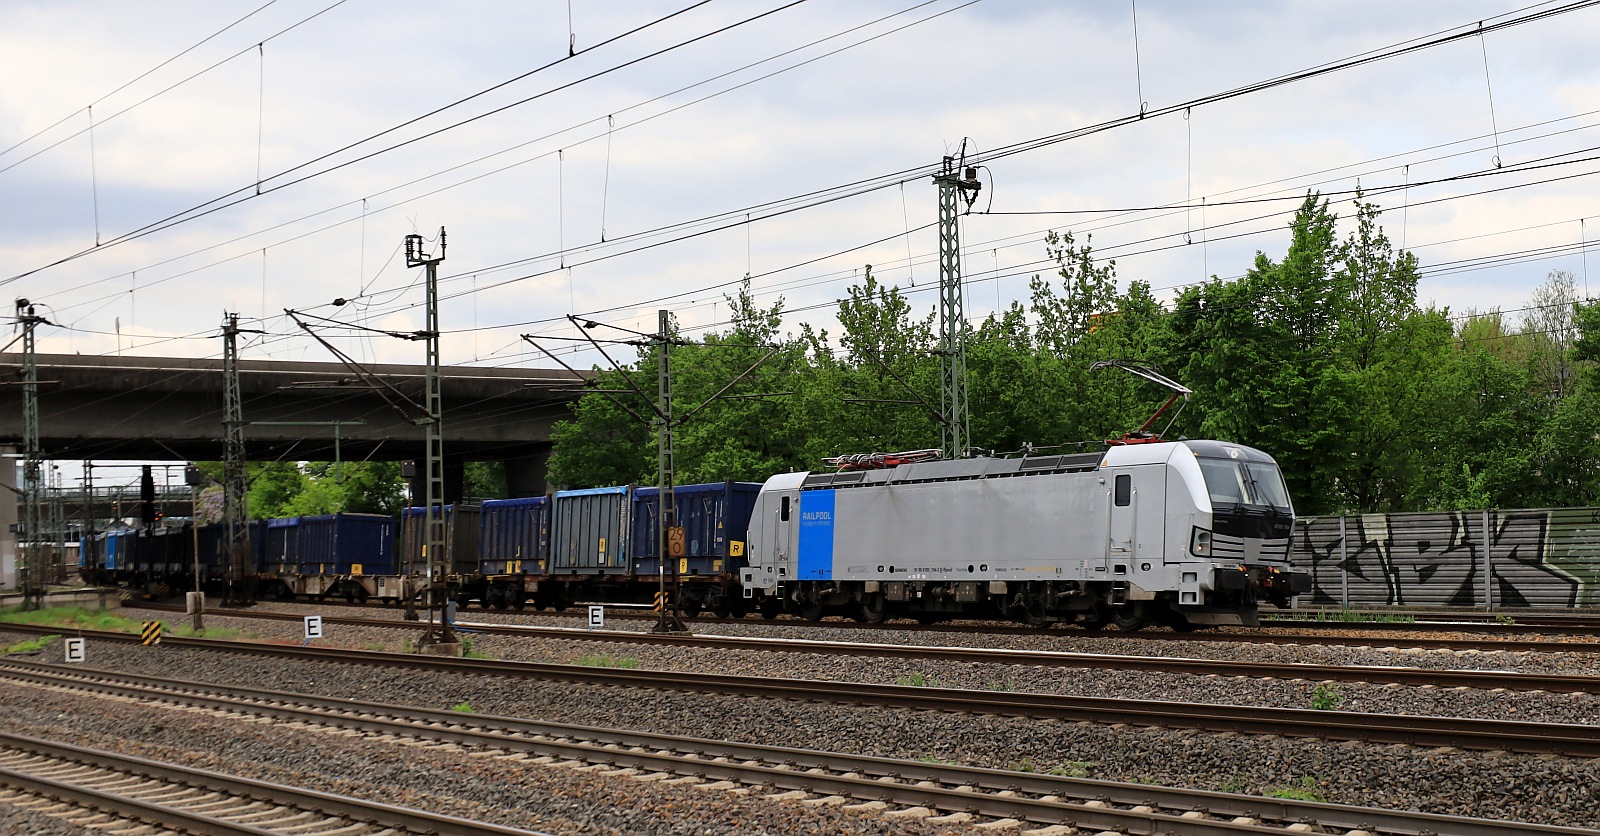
(1163, 664)
(105, 790)
(1516, 736)
(1317, 631)
(960, 792)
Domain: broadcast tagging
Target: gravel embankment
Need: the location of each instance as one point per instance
(1279, 693)
(1493, 785)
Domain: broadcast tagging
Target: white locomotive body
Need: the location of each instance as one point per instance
(1183, 533)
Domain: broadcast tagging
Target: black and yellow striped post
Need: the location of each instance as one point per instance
(659, 598)
(151, 633)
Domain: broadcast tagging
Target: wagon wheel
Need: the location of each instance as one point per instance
(770, 607)
(1128, 617)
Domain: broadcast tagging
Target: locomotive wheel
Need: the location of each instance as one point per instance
(872, 609)
(1128, 617)
(810, 610)
(770, 608)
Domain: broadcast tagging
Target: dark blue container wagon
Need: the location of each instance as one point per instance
(347, 544)
(714, 518)
(458, 566)
(513, 548)
(282, 553)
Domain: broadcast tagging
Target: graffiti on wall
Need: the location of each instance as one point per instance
(1534, 558)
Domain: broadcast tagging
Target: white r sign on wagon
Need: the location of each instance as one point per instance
(75, 650)
(597, 616)
(313, 627)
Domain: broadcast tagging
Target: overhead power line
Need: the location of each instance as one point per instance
(254, 190)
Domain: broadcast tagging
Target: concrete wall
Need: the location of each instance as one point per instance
(1513, 558)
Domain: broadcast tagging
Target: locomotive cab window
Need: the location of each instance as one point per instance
(783, 511)
(1124, 489)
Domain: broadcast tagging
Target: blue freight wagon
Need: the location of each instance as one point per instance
(214, 548)
(346, 544)
(514, 535)
(513, 544)
(714, 518)
(591, 532)
(461, 543)
(119, 549)
(282, 553)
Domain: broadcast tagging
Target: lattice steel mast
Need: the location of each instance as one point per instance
(439, 628)
(665, 478)
(30, 574)
(235, 481)
(955, 181)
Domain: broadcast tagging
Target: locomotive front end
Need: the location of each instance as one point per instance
(1243, 525)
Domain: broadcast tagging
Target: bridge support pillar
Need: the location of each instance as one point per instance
(526, 475)
(8, 517)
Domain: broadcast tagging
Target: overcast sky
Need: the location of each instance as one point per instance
(862, 90)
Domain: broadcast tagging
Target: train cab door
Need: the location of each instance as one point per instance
(1138, 518)
(783, 518)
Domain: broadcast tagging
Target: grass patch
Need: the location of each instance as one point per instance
(1326, 698)
(1073, 769)
(606, 660)
(464, 707)
(928, 680)
(29, 645)
(1304, 790)
(1234, 785)
(940, 761)
(375, 647)
(1024, 765)
(71, 618)
(468, 651)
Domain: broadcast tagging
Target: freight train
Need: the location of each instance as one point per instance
(1185, 533)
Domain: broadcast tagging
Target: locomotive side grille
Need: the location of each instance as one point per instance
(1227, 547)
(1275, 549)
(1234, 548)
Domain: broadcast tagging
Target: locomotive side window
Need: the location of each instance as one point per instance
(783, 512)
(1124, 489)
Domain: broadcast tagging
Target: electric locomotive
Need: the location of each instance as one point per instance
(1184, 533)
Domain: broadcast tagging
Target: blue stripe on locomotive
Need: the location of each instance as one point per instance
(816, 536)
(514, 536)
(713, 516)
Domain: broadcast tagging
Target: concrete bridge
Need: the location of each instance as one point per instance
(167, 408)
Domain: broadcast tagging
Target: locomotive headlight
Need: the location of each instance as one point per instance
(1200, 542)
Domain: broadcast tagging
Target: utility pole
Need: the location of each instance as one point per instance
(669, 621)
(30, 575)
(235, 482)
(58, 525)
(955, 180)
(440, 630)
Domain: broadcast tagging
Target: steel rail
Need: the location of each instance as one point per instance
(1517, 736)
(327, 804)
(1524, 625)
(784, 768)
(1382, 674)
